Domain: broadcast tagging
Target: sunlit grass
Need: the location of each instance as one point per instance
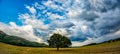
(106, 48)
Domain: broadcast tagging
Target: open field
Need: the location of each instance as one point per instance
(106, 48)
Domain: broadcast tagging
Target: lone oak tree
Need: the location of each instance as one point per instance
(59, 41)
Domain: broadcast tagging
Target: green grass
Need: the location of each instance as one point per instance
(105, 48)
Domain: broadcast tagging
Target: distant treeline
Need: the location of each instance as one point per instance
(14, 40)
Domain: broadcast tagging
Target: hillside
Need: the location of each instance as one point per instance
(104, 48)
(14, 40)
(112, 40)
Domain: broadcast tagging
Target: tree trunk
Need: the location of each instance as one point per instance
(57, 48)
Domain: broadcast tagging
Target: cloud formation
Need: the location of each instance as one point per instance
(83, 21)
(25, 31)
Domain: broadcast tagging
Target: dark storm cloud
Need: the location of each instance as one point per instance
(104, 5)
(108, 22)
(101, 16)
(88, 15)
(104, 15)
(67, 25)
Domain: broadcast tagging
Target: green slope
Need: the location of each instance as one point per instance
(14, 40)
(104, 48)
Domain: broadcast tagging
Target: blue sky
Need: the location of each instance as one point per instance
(83, 21)
(12, 8)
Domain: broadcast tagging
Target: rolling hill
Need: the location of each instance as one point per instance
(14, 40)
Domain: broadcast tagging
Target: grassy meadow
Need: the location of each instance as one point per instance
(106, 48)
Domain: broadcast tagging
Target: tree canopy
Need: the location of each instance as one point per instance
(59, 41)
